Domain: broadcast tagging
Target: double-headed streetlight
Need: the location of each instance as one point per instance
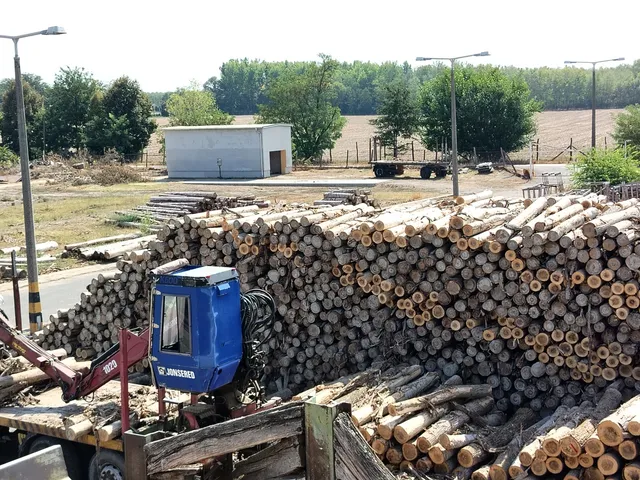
(593, 91)
(35, 309)
(454, 129)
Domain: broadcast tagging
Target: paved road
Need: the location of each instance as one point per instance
(58, 290)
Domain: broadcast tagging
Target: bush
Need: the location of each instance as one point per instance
(8, 158)
(605, 166)
(107, 175)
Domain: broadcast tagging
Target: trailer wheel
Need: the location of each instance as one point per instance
(425, 172)
(441, 173)
(107, 465)
(71, 458)
(380, 172)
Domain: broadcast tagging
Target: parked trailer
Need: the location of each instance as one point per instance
(383, 169)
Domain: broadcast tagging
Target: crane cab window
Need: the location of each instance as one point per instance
(176, 324)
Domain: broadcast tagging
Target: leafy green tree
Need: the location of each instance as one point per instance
(121, 119)
(600, 165)
(33, 113)
(628, 126)
(191, 107)
(68, 108)
(398, 114)
(493, 110)
(306, 101)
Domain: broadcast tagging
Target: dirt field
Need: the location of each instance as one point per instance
(555, 131)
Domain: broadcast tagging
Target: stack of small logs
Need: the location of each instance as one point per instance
(108, 248)
(165, 206)
(353, 196)
(537, 299)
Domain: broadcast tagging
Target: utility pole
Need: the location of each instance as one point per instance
(454, 126)
(35, 308)
(593, 91)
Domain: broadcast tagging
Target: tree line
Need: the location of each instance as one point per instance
(78, 112)
(243, 83)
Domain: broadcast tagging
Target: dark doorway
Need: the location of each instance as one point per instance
(275, 165)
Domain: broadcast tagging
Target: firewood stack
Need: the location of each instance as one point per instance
(352, 196)
(537, 300)
(165, 206)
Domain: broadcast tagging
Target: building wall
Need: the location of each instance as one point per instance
(275, 138)
(194, 153)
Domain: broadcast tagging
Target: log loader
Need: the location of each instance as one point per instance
(205, 339)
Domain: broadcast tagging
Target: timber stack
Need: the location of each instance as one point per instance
(536, 299)
(162, 208)
(353, 196)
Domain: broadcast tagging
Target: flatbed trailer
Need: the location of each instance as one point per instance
(383, 169)
(34, 427)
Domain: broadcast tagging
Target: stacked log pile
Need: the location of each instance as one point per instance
(162, 208)
(353, 196)
(537, 300)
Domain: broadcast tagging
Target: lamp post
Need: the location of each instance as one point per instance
(35, 309)
(454, 127)
(593, 91)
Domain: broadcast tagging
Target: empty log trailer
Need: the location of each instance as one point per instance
(382, 169)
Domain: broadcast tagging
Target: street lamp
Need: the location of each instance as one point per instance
(454, 128)
(593, 92)
(35, 309)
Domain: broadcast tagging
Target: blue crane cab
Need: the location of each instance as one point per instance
(196, 334)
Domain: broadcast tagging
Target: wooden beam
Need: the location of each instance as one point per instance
(354, 459)
(320, 440)
(227, 437)
(282, 458)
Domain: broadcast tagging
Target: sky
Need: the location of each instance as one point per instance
(166, 47)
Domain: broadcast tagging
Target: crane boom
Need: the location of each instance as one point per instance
(76, 384)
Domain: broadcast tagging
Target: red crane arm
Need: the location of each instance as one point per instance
(107, 367)
(66, 377)
(75, 384)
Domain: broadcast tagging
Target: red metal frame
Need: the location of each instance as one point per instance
(137, 348)
(124, 381)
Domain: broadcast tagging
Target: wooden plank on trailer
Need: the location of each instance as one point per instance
(226, 437)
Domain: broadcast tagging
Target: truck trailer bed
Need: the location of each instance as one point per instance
(47, 416)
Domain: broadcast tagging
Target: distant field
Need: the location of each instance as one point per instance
(555, 131)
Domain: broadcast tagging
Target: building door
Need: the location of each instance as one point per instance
(275, 165)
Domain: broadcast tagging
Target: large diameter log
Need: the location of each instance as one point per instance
(170, 267)
(226, 437)
(527, 214)
(113, 430)
(572, 224)
(557, 218)
(445, 394)
(599, 225)
(573, 443)
(611, 429)
(452, 421)
(408, 429)
(474, 197)
(34, 375)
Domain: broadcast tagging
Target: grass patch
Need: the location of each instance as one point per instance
(66, 220)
